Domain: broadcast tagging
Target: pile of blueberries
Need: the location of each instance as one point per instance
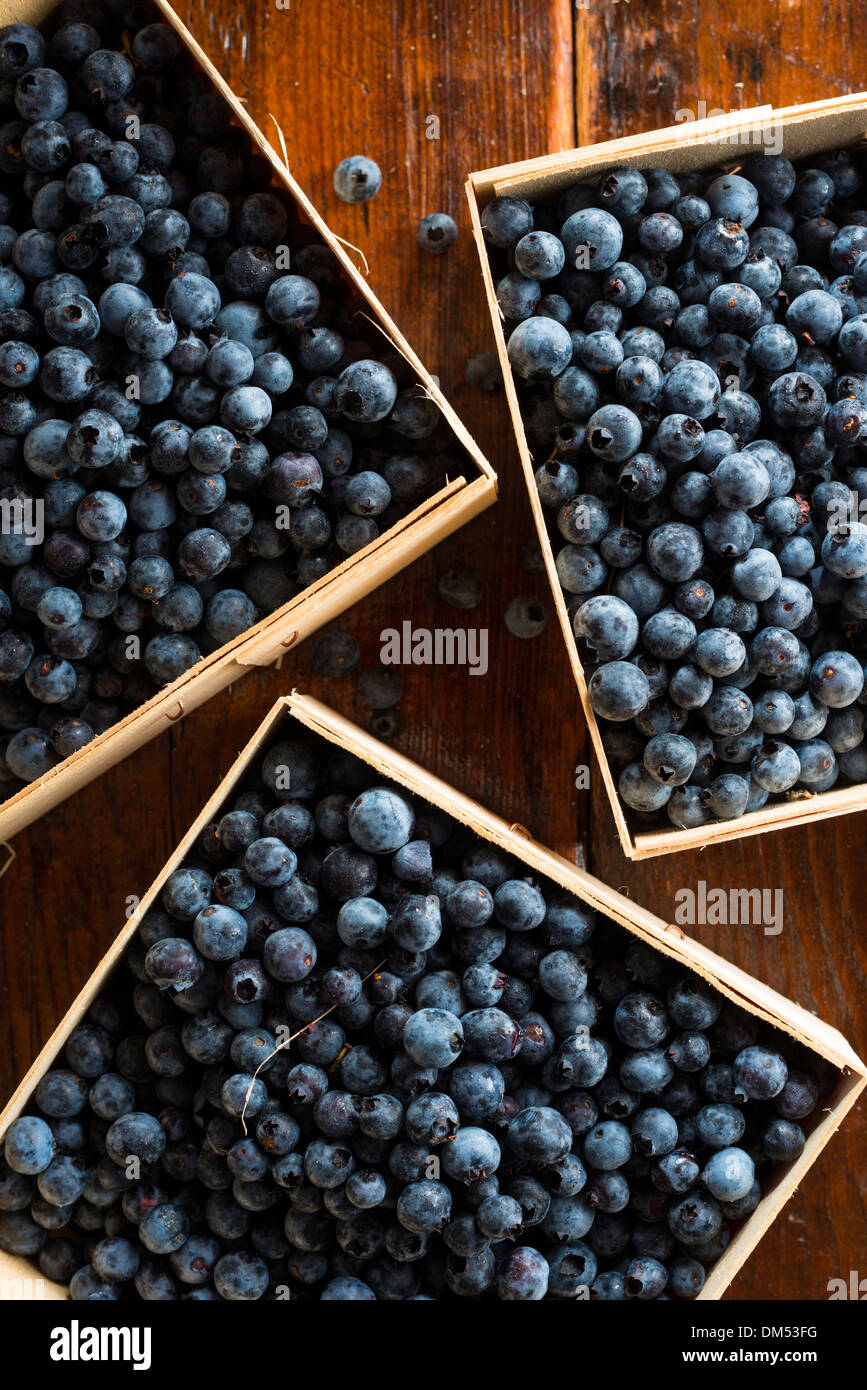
(691, 354)
(197, 420)
(356, 1053)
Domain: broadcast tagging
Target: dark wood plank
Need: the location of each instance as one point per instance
(343, 77)
(638, 65)
(636, 68)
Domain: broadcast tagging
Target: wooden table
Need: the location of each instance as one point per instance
(506, 82)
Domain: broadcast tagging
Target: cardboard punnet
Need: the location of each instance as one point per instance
(704, 144)
(769, 1006)
(456, 503)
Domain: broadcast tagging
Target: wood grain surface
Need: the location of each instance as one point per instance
(505, 81)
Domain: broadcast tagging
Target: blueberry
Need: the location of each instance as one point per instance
(59, 607)
(366, 391)
(592, 239)
(623, 192)
(539, 348)
(614, 433)
(608, 625)
(219, 933)
(675, 551)
(151, 333)
(562, 975)
(380, 820)
(638, 379)
(782, 1140)
(797, 400)
(814, 316)
(433, 1037)
(686, 1277)
(209, 214)
(437, 232)
(506, 220)
(164, 1229)
(541, 1134)
(21, 49)
(500, 1217)
(583, 520)
(30, 1145)
(192, 301)
(269, 862)
(203, 554)
(137, 1135)
(689, 1052)
(111, 223)
(241, 1276)
(726, 796)
(518, 296)
(601, 352)
(576, 393)
(483, 371)
(660, 233)
(608, 1146)
(67, 374)
(670, 759)
(186, 893)
(357, 179)
(719, 651)
(776, 767)
(108, 75)
(729, 1174)
(728, 712)
(424, 1207)
(773, 348)
(760, 1072)
(618, 691)
(722, 243)
(346, 1288)
(694, 1219)
(646, 1070)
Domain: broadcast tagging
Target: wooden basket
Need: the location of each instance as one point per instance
(719, 140)
(742, 989)
(431, 522)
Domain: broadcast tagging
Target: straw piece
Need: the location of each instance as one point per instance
(358, 251)
(397, 347)
(343, 242)
(283, 148)
(287, 1041)
(12, 855)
